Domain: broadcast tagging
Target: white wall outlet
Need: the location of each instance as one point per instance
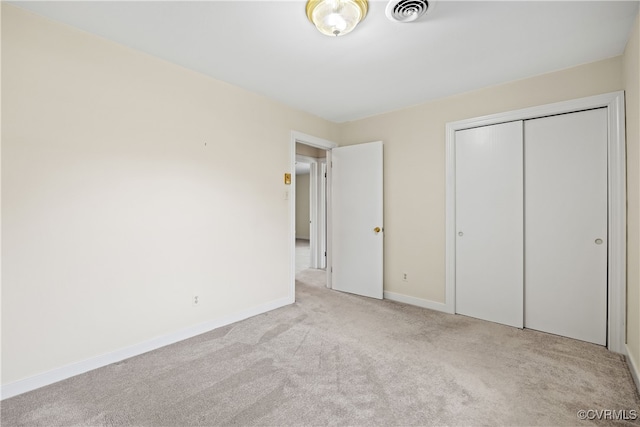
(405, 277)
(195, 300)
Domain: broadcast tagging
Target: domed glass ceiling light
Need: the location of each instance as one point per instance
(336, 17)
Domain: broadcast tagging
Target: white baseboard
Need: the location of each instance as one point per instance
(58, 374)
(419, 302)
(633, 367)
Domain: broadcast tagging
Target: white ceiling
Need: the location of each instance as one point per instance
(269, 47)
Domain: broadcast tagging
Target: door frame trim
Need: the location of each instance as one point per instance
(313, 204)
(322, 144)
(614, 102)
(317, 208)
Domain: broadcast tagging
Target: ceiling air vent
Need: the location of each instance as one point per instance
(407, 10)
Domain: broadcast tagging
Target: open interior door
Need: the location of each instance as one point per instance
(357, 227)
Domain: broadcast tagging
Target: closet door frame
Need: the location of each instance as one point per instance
(616, 199)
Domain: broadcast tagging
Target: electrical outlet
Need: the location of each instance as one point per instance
(195, 300)
(405, 277)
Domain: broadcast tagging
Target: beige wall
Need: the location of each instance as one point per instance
(115, 212)
(632, 98)
(309, 151)
(302, 206)
(414, 186)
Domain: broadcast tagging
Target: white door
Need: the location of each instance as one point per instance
(489, 223)
(566, 225)
(356, 234)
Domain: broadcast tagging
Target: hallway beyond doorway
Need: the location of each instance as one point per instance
(305, 274)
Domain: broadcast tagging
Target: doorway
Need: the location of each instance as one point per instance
(309, 206)
(310, 213)
(353, 229)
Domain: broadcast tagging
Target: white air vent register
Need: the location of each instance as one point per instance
(407, 10)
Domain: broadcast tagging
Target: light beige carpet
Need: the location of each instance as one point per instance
(339, 359)
(303, 255)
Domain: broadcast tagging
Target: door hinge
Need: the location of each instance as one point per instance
(325, 253)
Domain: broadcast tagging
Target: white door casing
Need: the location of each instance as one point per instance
(317, 215)
(489, 223)
(565, 159)
(356, 212)
(322, 215)
(313, 222)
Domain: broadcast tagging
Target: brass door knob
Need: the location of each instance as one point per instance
(377, 230)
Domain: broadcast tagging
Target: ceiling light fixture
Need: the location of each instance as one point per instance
(336, 17)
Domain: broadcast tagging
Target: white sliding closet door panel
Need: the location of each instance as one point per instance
(489, 223)
(566, 225)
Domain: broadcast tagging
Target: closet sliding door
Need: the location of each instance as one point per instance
(565, 160)
(531, 224)
(489, 223)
